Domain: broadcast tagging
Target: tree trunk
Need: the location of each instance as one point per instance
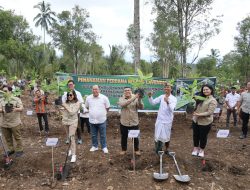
(44, 41)
(137, 34)
(180, 28)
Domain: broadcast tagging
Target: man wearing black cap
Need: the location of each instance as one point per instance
(231, 102)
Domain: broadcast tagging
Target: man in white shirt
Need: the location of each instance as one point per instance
(165, 117)
(71, 86)
(231, 102)
(98, 106)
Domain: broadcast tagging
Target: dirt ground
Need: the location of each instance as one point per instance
(227, 161)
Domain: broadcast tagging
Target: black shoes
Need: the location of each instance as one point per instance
(19, 153)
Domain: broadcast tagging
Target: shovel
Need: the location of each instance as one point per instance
(8, 161)
(160, 176)
(180, 177)
(63, 172)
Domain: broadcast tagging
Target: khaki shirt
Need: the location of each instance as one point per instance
(245, 102)
(206, 109)
(129, 113)
(71, 117)
(12, 119)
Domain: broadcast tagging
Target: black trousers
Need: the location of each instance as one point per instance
(124, 137)
(234, 116)
(78, 130)
(245, 119)
(45, 118)
(83, 121)
(200, 133)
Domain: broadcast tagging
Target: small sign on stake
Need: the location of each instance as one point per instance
(51, 141)
(222, 133)
(29, 112)
(133, 133)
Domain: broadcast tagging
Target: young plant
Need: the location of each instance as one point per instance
(189, 97)
(8, 96)
(139, 83)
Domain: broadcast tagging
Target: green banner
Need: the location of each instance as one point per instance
(112, 87)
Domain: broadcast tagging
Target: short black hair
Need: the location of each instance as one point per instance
(71, 81)
(9, 87)
(127, 87)
(233, 87)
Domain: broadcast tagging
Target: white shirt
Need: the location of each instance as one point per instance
(97, 108)
(232, 99)
(85, 111)
(166, 111)
(78, 95)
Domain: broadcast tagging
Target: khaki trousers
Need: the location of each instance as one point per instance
(9, 134)
(71, 130)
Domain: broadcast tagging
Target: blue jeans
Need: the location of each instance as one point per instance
(94, 128)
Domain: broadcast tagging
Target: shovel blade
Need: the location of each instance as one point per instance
(160, 176)
(65, 172)
(182, 178)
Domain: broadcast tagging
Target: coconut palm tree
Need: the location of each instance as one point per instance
(45, 18)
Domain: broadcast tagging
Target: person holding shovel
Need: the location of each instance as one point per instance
(130, 104)
(70, 120)
(203, 119)
(11, 107)
(71, 86)
(165, 117)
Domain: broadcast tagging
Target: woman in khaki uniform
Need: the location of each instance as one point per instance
(70, 120)
(203, 119)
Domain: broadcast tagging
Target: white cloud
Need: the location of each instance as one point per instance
(111, 18)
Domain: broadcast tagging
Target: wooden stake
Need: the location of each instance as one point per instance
(53, 165)
(133, 139)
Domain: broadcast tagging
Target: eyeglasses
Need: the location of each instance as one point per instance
(70, 95)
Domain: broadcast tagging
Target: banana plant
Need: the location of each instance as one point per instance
(139, 82)
(189, 96)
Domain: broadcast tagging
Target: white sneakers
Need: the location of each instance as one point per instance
(70, 153)
(73, 158)
(105, 150)
(198, 152)
(195, 152)
(201, 153)
(93, 149)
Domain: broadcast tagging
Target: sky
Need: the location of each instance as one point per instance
(111, 18)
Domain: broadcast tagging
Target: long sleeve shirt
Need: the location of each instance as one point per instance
(206, 111)
(166, 111)
(129, 111)
(70, 114)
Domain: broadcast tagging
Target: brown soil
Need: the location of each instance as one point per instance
(226, 165)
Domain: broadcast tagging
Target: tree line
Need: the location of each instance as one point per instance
(180, 30)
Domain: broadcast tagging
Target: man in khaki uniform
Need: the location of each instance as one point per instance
(244, 104)
(130, 104)
(11, 121)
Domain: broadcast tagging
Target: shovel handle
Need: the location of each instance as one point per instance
(161, 153)
(177, 167)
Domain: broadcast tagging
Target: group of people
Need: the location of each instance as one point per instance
(92, 110)
(237, 104)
